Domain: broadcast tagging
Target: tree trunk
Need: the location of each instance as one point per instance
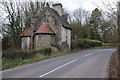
(32, 36)
(32, 30)
(119, 27)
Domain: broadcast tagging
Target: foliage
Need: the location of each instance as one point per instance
(22, 54)
(119, 28)
(18, 16)
(108, 29)
(98, 26)
(79, 24)
(46, 51)
(85, 25)
(103, 47)
(84, 43)
(19, 54)
(8, 62)
(79, 31)
(95, 23)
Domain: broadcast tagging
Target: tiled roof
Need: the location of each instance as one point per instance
(27, 32)
(44, 29)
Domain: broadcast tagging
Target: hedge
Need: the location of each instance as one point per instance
(23, 54)
(85, 43)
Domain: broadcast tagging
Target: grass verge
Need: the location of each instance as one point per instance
(103, 47)
(9, 63)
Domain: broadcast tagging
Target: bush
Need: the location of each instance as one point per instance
(19, 54)
(46, 51)
(84, 43)
(23, 54)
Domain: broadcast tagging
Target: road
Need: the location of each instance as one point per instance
(83, 64)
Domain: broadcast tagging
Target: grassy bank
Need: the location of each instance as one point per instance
(103, 47)
(9, 63)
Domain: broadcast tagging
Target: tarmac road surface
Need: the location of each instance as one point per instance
(83, 64)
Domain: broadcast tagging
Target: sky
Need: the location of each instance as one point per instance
(88, 5)
(72, 5)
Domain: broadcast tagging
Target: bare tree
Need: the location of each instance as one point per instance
(19, 16)
(80, 16)
(109, 16)
(79, 23)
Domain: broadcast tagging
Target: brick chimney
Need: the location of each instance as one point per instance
(58, 8)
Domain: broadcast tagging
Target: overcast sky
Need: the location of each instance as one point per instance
(84, 4)
(72, 5)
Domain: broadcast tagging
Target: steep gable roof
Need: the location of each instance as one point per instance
(62, 19)
(27, 32)
(44, 29)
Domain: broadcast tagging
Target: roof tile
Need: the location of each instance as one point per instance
(27, 32)
(45, 29)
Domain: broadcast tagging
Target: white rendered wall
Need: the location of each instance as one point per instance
(66, 33)
(25, 43)
(63, 34)
(69, 37)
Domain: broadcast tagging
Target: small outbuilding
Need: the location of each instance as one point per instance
(26, 38)
(44, 36)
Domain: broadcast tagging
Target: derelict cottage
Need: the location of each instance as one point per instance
(49, 28)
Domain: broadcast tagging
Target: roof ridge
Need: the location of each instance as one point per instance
(61, 20)
(51, 10)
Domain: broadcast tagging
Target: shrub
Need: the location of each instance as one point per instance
(19, 54)
(46, 51)
(84, 43)
(23, 54)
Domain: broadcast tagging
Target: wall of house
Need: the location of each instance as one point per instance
(55, 26)
(42, 40)
(63, 34)
(49, 18)
(69, 37)
(46, 16)
(25, 43)
(66, 35)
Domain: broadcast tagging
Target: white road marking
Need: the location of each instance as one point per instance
(88, 54)
(93, 52)
(57, 68)
(63, 66)
(100, 51)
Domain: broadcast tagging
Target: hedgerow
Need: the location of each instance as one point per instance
(85, 43)
(23, 54)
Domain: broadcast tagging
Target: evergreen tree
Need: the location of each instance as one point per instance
(95, 23)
